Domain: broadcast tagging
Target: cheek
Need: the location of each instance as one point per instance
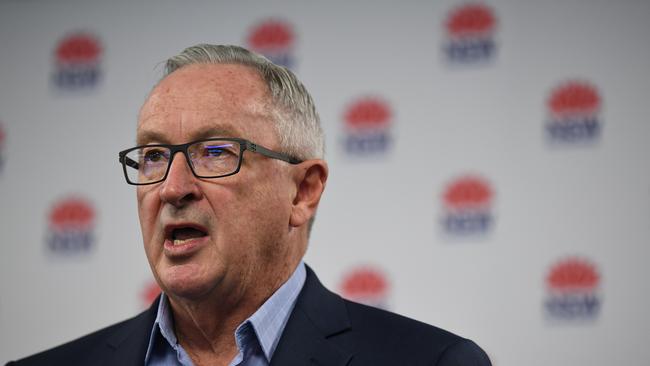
(251, 211)
(147, 211)
(246, 210)
(268, 209)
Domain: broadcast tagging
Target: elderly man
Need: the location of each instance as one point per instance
(229, 171)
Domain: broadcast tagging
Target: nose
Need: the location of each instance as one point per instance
(180, 187)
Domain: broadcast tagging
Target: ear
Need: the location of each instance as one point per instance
(310, 177)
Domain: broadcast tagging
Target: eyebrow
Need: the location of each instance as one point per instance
(147, 136)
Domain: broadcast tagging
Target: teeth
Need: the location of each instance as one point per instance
(180, 241)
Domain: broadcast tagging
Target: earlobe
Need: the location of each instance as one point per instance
(310, 180)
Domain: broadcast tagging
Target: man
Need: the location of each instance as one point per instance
(229, 173)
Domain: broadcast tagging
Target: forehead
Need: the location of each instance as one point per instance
(205, 100)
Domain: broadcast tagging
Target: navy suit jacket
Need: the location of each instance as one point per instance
(323, 330)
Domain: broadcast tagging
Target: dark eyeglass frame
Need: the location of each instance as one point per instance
(244, 145)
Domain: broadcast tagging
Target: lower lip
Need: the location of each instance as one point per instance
(185, 249)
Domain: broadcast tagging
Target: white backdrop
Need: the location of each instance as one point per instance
(551, 266)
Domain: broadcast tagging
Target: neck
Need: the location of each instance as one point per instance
(205, 327)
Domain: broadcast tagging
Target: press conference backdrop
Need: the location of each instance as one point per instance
(489, 162)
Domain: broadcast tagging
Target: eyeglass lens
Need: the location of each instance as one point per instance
(211, 158)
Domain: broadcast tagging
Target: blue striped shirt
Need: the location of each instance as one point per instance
(256, 337)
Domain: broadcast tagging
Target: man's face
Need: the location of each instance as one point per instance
(223, 236)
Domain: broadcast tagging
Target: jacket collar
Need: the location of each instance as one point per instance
(318, 318)
(129, 343)
(308, 338)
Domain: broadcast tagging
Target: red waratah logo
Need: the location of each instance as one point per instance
(366, 285)
(368, 113)
(573, 274)
(467, 205)
(574, 98)
(573, 285)
(72, 213)
(271, 35)
(470, 29)
(470, 20)
(367, 123)
(274, 39)
(78, 58)
(79, 48)
(150, 293)
(573, 108)
(468, 192)
(71, 222)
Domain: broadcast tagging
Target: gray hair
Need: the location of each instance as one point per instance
(297, 122)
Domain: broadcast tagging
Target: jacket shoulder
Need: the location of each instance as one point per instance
(390, 338)
(90, 349)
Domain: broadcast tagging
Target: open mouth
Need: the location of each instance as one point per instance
(182, 235)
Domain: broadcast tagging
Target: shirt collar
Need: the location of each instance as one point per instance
(271, 318)
(162, 326)
(268, 321)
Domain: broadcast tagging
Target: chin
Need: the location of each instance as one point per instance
(185, 282)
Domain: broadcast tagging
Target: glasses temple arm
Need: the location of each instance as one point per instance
(130, 162)
(271, 154)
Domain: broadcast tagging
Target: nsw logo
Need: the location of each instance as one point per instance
(367, 124)
(572, 290)
(71, 223)
(366, 285)
(77, 62)
(573, 109)
(467, 206)
(275, 40)
(470, 34)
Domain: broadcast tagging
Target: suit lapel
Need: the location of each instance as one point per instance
(129, 343)
(318, 317)
(308, 338)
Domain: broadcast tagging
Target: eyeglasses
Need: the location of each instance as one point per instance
(210, 158)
